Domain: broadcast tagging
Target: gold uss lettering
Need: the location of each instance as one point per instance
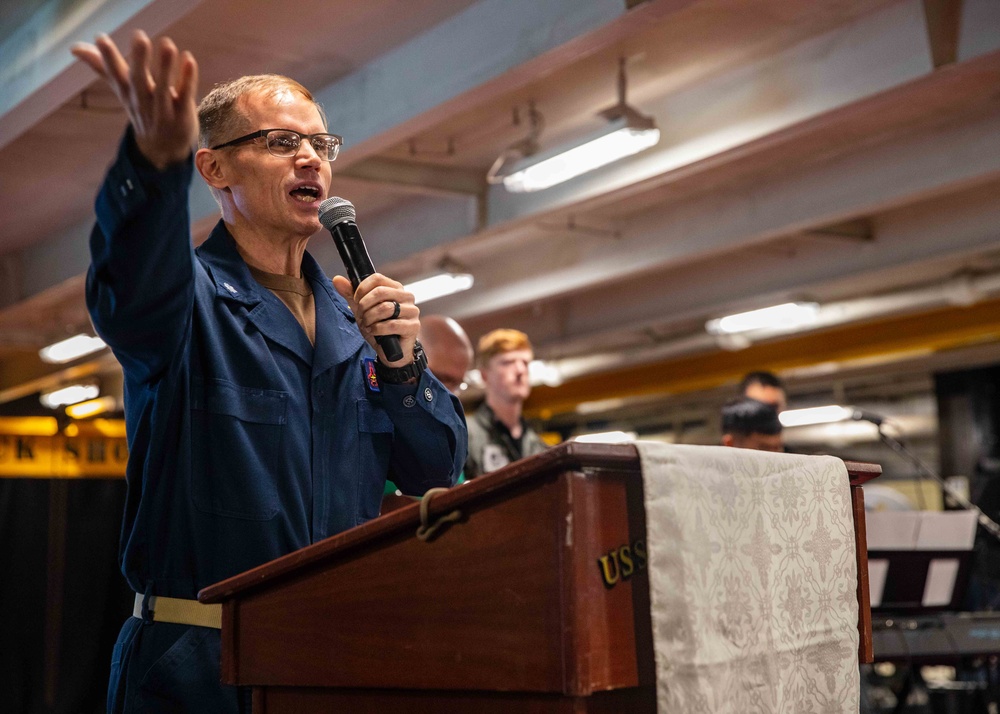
(622, 563)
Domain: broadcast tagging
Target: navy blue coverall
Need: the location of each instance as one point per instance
(246, 442)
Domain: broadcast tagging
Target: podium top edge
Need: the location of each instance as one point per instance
(568, 456)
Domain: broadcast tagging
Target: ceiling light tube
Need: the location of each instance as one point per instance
(815, 415)
(624, 136)
(69, 395)
(542, 372)
(787, 316)
(607, 437)
(29, 426)
(91, 407)
(71, 348)
(439, 285)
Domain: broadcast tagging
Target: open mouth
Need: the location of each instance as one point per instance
(306, 194)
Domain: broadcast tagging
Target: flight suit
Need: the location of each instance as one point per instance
(246, 442)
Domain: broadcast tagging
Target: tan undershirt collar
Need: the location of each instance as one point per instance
(295, 293)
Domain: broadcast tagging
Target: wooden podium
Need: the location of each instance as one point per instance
(508, 609)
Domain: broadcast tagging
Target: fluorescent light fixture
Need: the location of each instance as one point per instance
(607, 437)
(111, 428)
(91, 407)
(600, 405)
(626, 135)
(29, 426)
(815, 415)
(787, 316)
(439, 285)
(69, 349)
(541, 372)
(69, 395)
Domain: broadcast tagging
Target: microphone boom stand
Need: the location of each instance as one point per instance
(987, 523)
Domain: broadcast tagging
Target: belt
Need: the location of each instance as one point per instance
(180, 612)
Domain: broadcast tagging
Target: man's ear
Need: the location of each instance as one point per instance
(211, 169)
(727, 439)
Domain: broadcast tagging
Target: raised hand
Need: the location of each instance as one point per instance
(158, 93)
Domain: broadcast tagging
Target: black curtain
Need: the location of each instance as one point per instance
(969, 435)
(62, 596)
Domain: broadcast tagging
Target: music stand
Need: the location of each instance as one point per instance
(919, 561)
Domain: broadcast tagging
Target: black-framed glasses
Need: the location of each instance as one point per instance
(285, 143)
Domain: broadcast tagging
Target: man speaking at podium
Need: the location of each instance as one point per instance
(261, 414)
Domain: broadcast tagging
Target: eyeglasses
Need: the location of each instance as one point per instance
(285, 143)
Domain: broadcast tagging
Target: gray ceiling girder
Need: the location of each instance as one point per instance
(37, 72)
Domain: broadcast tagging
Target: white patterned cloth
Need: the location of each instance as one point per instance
(753, 581)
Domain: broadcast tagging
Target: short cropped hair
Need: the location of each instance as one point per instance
(498, 342)
(220, 116)
(765, 379)
(745, 416)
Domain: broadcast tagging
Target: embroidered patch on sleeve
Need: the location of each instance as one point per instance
(371, 377)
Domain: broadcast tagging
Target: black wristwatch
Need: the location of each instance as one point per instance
(402, 375)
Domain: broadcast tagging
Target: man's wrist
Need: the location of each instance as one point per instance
(406, 373)
(146, 165)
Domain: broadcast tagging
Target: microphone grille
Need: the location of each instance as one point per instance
(336, 210)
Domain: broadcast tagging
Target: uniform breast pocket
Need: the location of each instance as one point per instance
(237, 441)
(375, 437)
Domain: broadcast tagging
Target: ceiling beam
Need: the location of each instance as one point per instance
(420, 224)
(419, 178)
(943, 18)
(979, 30)
(38, 74)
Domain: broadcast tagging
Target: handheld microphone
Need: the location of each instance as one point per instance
(337, 216)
